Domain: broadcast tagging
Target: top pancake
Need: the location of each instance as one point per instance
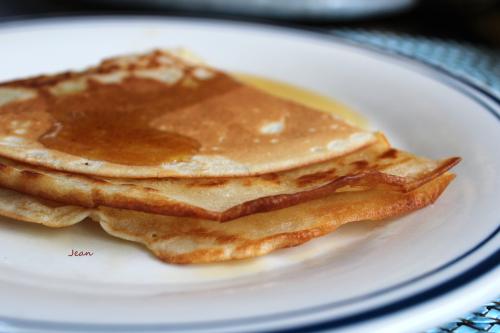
(163, 115)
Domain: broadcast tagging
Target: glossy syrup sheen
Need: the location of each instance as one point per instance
(112, 122)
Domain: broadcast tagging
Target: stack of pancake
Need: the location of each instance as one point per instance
(162, 149)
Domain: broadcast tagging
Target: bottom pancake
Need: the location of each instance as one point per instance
(27, 208)
(187, 240)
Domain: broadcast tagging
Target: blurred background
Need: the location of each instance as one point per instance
(470, 21)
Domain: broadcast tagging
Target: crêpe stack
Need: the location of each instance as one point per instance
(164, 150)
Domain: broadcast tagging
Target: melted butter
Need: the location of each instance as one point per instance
(112, 122)
(305, 97)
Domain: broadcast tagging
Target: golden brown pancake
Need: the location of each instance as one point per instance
(155, 147)
(26, 208)
(162, 115)
(374, 166)
(185, 240)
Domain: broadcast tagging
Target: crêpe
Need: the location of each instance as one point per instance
(27, 208)
(155, 147)
(162, 114)
(375, 165)
(186, 240)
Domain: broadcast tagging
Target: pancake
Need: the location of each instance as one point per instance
(160, 115)
(376, 165)
(186, 241)
(26, 208)
(159, 148)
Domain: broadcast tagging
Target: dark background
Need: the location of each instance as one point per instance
(472, 21)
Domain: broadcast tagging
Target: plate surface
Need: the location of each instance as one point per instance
(401, 275)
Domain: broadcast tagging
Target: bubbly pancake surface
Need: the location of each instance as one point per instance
(161, 115)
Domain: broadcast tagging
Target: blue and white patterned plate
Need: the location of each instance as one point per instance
(402, 275)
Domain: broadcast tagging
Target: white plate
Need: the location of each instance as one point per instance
(402, 275)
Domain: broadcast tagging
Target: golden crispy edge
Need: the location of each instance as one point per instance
(378, 207)
(105, 66)
(370, 179)
(47, 188)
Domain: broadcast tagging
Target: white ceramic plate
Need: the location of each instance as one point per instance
(396, 276)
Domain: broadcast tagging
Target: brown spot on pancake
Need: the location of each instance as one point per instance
(390, 153)
(272, 177)
(95, 180)
(42, 80)
(219, 237)
(247, 182)
(361, 164)
(209, 182)
(315, 177)
(31, 174)
(107, 68)
(131, 185)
